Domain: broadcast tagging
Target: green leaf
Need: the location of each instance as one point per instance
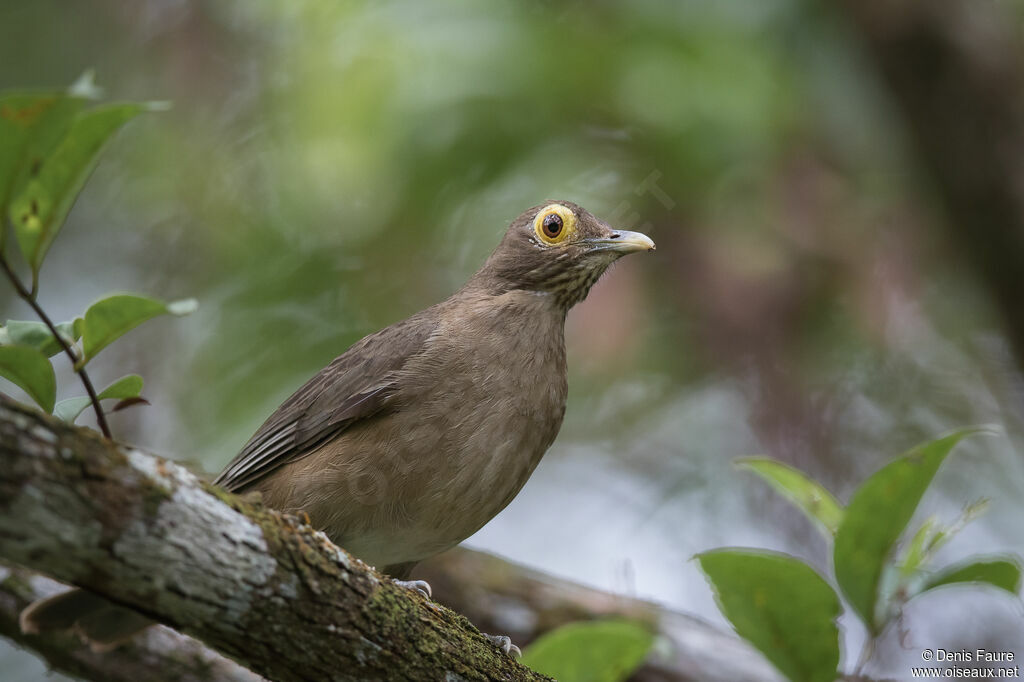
(781, 606)
(811, 497)
(114, 316)
(877, 516)
(40, 206)
(127, 387)
(30, 370)
(36, 335)
(596, 651)
(69, 409)
(31, 125)
(1002, 573)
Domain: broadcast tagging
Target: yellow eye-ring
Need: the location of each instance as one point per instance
(554, 224)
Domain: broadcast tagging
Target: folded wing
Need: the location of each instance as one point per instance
(357, 385)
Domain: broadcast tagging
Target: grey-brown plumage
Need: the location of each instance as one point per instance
(419, 434)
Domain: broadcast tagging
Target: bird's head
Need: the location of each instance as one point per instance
(557, 248)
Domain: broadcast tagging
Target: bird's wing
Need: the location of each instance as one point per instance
(355, 386)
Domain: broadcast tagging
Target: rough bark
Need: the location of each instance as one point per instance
(159, 653)
(256, 585)
(955, 68)
(268, 591)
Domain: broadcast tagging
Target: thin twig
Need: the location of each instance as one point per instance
(29, 297)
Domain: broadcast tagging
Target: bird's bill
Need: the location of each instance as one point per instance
(623, 242)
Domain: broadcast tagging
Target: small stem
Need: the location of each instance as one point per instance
(30, 298)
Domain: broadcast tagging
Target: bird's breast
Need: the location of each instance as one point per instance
(497, 400)
(489, 395)
(474, 413)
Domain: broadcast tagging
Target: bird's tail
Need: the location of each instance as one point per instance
(101, 623)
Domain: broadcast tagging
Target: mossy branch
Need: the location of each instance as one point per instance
(260, 587)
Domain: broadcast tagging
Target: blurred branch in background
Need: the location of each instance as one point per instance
(956, 69)
(499, 596)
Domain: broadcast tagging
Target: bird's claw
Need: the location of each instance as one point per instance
(421, 586)
(504, 642)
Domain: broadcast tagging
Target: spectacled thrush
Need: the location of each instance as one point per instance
(416, 436)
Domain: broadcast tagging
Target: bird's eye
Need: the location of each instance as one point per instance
(554, 224)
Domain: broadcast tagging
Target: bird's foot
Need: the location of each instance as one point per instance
(421, 586)
(504, 642)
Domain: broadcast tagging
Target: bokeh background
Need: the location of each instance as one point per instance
(328, 168)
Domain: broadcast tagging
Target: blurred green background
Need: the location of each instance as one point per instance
(329, 168)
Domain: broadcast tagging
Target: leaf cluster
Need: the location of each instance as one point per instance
(788, 610)
(49, 144)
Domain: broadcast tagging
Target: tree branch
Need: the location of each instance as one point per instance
(160, 653)
(256, 585)
(268, 591)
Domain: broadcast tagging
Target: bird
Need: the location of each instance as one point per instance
(419, 434)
